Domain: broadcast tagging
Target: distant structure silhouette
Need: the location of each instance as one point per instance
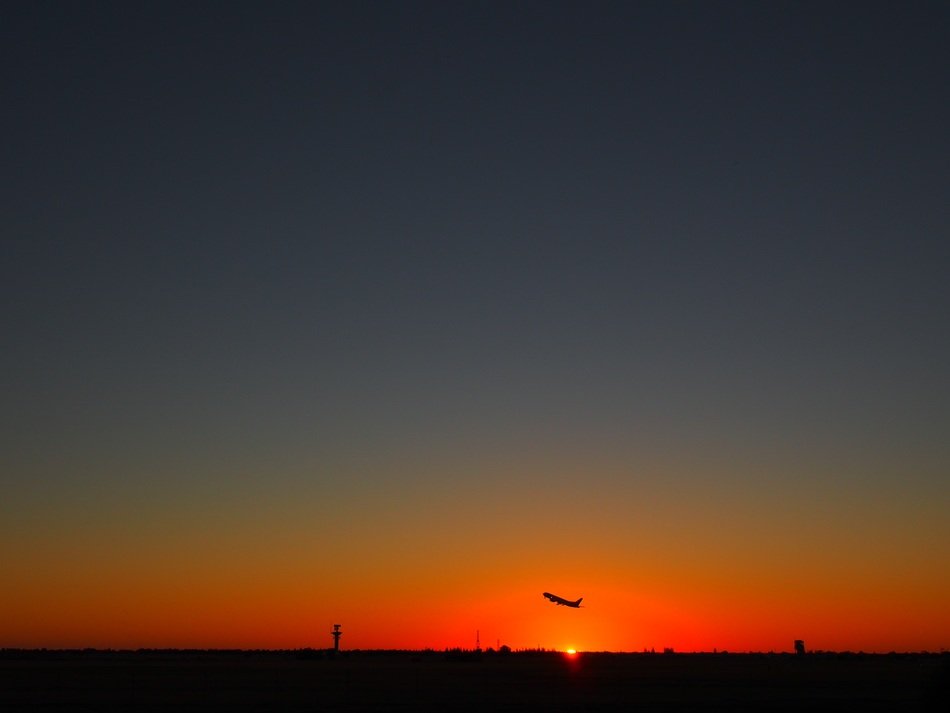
(336, 637)
(799, 646)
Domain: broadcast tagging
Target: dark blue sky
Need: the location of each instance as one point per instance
(291, 237)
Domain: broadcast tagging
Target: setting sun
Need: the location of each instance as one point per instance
(571, 652)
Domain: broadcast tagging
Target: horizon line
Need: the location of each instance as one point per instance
(456, 649)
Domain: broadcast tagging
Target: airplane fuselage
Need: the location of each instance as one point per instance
(561, 601)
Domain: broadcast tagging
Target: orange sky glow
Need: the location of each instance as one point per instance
(692, 572)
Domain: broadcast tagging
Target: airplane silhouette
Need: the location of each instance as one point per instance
(560, 601)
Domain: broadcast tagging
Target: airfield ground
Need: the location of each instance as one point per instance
(433, 681)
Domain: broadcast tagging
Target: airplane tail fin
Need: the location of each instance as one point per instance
(578, 602)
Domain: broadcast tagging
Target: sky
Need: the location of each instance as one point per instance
(396, 315)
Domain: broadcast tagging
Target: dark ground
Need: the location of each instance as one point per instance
(406, 681)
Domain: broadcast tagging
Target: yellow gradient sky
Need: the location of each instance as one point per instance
(661, 560)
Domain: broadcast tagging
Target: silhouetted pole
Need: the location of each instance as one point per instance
(336, 637)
